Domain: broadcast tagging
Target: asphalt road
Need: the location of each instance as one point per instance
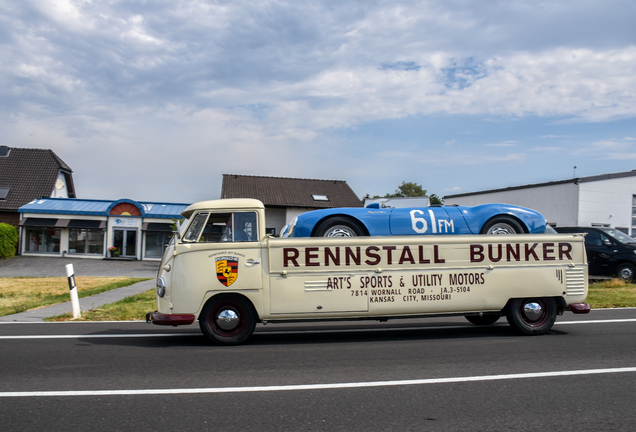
(437, 375)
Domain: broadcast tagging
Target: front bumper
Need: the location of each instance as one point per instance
(169, 319)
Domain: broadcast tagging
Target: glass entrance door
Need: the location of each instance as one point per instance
(125, 240)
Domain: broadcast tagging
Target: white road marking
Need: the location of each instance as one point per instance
(304, 331)
(315, 386)
(101, 336)
(595, 321)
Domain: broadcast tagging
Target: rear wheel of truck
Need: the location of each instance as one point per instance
(227, 320)
(532, 316)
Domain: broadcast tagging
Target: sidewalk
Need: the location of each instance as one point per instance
(35, 266)
(56, 267)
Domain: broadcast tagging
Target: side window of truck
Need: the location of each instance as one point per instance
(194, 230)
(244, 224)
(217, 228)
(222, 227)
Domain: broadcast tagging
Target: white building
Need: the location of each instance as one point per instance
(607, 200)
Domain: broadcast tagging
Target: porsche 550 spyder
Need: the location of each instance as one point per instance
(374, 220)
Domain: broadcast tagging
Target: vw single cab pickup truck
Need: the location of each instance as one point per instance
(224, 271)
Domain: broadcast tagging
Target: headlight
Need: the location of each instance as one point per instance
(292, 225)
(161, 287)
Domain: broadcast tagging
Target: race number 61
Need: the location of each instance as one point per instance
(419, 224)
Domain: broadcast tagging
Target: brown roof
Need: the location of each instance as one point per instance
(30, 174)
(290, 192)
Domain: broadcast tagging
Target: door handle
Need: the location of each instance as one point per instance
(251, 261)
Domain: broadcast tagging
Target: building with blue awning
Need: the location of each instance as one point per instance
(97, 228)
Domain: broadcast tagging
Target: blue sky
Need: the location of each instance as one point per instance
(155, 100)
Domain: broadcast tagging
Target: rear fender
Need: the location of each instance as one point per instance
(476, 217)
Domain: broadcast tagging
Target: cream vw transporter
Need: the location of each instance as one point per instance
(224, 271)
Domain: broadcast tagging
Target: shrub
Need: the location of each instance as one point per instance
(8, 240)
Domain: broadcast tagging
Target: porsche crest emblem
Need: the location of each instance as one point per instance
(226, 270)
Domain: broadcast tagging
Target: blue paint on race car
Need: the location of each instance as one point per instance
(435, 220)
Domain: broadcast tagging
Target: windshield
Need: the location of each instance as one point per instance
(619, 236)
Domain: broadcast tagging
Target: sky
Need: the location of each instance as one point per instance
(154, 100)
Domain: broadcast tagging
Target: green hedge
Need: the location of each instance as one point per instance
(8, 240)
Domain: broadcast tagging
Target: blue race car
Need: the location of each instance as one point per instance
(374, 220)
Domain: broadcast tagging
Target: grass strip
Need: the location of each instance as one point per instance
(613, 293)
(133, 308)
(21, 294)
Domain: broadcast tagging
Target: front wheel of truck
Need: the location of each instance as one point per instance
(227, 319)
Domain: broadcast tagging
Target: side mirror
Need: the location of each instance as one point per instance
(178, 224)
(607, 242)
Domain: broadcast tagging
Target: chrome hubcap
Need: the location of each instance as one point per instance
(532, 311)
(501, 228)
(340, 231)
(227, 319)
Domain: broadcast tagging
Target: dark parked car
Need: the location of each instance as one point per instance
(610, 252)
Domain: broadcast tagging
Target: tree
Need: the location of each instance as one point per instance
(411, 189)
(8, 240)
(408, 189)
(435, 200)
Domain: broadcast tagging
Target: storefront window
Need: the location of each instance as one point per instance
(42, 240)
(86, 241)
(156, 241)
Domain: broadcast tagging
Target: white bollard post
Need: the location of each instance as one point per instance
(70, 273)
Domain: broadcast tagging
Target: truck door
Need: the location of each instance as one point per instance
(219, 251)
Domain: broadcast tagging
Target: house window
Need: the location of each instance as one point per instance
(320, 197)
(42, 240)
(85, 241)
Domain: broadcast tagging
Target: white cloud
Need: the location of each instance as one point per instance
(504, 144)
(249, 87)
